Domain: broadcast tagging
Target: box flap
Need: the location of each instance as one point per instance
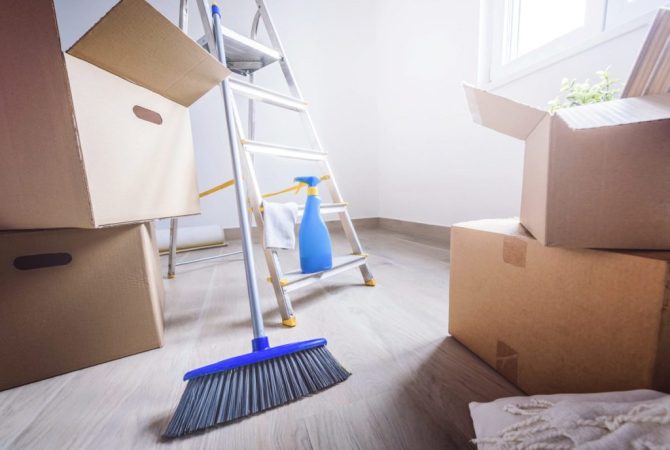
(508, 227)
(617, 112)
(137, 43)
(502, 114)
(651, 72)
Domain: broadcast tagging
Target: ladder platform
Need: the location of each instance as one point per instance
(283, 151)
(295, 279)
(267, 96)
(244, 55)
(326, 208)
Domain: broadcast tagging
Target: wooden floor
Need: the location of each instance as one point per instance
(410, 387)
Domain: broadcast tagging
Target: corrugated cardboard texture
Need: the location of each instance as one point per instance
(153, 164)
(136, 42)
(38, 144)
(105, 304)
(608, 187)
(565, 321)
(623, 111)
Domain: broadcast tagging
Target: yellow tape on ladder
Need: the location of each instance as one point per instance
(217, 188)
(295, 188)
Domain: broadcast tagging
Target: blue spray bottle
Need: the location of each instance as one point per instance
(316, 249)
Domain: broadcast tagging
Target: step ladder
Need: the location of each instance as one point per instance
(244, 56)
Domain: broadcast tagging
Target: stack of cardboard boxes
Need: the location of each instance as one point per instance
(534, 299)
(95, 143)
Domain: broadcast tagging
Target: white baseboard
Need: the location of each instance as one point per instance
(189, 237)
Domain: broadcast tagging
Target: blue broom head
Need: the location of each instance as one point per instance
(248, 384)
(261, 352)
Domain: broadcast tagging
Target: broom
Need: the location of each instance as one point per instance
(268, 376)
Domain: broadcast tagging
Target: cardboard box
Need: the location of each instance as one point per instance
(554, 320)
(595, 176)
(74, 298)
(100, 136)
(651, 72)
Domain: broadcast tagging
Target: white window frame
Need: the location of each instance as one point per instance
(496, 34)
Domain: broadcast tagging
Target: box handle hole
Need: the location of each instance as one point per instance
(147, 114)
(31, 262)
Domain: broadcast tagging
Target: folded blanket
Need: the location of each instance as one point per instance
(626, 420)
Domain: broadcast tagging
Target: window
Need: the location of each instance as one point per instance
(535, 23)
(519, 36)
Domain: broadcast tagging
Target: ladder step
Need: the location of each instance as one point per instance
(267, 96)
(326, 208)
(295, 279)
(264, 148)
(244, 55)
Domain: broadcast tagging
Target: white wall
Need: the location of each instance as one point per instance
(436, 166)
(383, 79)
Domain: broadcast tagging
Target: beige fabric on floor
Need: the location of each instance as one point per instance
(634, 419)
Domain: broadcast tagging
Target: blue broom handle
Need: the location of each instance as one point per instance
(240, 194)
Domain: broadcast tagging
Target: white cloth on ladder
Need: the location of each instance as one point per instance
(279, 221)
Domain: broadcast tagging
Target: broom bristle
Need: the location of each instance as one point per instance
(232, 394)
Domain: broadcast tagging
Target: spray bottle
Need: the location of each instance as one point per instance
(316, 250)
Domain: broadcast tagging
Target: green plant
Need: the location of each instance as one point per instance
(575, 94)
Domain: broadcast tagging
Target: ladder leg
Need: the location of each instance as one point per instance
(271, 257)
(348, 226)
(172, 258)
(283, 300)
(356, 247)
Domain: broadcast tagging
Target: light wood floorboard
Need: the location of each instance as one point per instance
(410, 387)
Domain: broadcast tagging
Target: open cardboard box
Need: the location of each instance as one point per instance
(73, 298)
(596, 175)
(555, 320)
(101, 135)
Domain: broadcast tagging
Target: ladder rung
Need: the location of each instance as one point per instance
(264, 148)
(326, 208)
(244, 55)
(295, 279)
(267, 96)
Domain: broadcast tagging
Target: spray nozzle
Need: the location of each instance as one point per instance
(309, 181)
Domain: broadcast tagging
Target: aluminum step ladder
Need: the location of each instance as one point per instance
(244, 56)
